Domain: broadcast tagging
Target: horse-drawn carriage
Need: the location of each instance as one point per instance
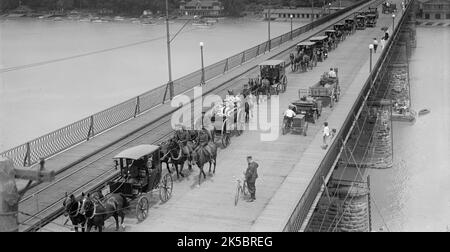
(388, 8)
(361, 22)
(374, 11)
(140, 173)
(332, 38)
(305, 58)
(342, 31)
(322, 47)
(327, 87)
(273, 77)
(350, 25)
(371, 20)
(298, 125)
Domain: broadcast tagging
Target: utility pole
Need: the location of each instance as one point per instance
(268, 18)
(169, 57)
(312, 11)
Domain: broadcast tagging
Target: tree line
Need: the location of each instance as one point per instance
(135, 7)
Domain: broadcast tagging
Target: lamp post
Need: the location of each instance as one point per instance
(268, 25)
(292, 16)
(393, 24)
(370, 49)
(203, 66)
(169, 58)
(329, 8)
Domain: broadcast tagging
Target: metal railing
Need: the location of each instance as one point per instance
(304, 205)
(62, 139)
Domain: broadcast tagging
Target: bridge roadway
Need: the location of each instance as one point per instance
(210, 207)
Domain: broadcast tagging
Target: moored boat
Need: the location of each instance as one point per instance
(424, 112)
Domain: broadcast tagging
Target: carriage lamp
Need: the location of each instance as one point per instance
(329, 8)
(203, 66)
(370, 49)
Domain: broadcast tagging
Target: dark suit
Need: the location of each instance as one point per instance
(250, 176)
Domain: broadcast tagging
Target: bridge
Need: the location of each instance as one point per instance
(294, 170)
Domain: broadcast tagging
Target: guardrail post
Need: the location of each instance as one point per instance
(27, 158)
(243, 58)
(91, 128)
(257, 52)
(137, 110)
(225, 69)
(369, 204)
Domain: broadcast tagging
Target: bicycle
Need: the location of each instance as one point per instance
(241, 189)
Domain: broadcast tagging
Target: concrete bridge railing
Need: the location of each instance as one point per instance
(43, 147)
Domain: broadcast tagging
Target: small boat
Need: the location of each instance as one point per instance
(424, 112)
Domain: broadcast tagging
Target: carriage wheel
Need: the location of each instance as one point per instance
(284, 83)
(165, 189)
(142, 208)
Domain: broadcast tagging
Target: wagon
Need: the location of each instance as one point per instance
(311, 108)
(371, 20)
(321, 46)
(342, 31)
(361, 22)
(274, 72)
(140, 174)
(327, 88)
(225, 123)
(299, 125)
(332, 38)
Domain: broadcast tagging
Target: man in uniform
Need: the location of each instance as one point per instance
(251, 174)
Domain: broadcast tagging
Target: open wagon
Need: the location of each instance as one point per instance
(327, 87)
(308, 106)
(140, 174)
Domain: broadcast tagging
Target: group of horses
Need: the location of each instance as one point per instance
(301, 60)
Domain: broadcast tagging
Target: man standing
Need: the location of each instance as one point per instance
(375, 45)
(251, 174)
(326, 134)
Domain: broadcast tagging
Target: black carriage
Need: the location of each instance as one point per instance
(332, 38)
(308, 106)
(371, 20)
(327, 87)
(388, 8)
(308, 48)
(273, 76)
(361, 22)
(321, 47)
(140, 173)
(374, 11)
(341, 29)
(350, 25)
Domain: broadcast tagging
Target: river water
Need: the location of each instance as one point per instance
(415, 194)
(37, 100)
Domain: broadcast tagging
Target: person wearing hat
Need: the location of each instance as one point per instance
(251, 174)
(289, 114)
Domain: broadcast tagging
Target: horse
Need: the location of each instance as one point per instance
(293, 62)
(72, 208)
(205, 154)
(185, 139)
(97, 211)
(305, 62)
(165, 154)
(177, 159)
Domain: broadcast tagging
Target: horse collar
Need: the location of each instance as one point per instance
(94, 212)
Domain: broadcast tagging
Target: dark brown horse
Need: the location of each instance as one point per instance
(205, 154)
(98, 210)
(72, 208)
(174, 153)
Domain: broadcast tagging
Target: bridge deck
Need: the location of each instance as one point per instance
(210, 207)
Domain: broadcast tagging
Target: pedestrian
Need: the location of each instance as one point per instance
(375, 44)
(326, 134)
(386, 35)
(251, 174)
(383, 43)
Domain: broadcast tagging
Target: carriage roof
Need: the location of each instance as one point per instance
(340, 24)
(306, 43)
(360, 16)
(137, 152)
(330, 30)
(318, 38)
(371, 15)
(272, 63)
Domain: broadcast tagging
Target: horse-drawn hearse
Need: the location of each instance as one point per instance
(371, 20)
(327, 87)
(361, 22)
(305, 56)
(140, 173)
(273, 77)
(322, 47)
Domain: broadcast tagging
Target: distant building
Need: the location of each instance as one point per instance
(340, 4)
(297, 13)
(434, 9)
(204, 8)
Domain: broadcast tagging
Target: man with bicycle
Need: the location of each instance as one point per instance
(251, 174)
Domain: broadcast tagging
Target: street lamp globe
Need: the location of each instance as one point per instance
(393, 15)
(292, 16)
(201, 44)
(371, 46)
